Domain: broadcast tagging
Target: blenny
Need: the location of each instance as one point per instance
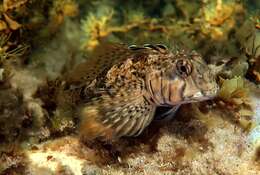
(118, 89)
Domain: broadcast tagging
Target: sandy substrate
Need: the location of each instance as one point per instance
(222, 148)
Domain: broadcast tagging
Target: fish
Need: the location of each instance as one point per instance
(119, 88)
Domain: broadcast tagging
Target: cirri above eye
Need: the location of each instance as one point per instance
(184, 68)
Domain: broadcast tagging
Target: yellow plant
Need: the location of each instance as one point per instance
(96, 26)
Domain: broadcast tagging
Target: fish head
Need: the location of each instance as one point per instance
(200, 82)
(185, 78)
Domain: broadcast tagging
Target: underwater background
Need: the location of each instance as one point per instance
(41, 40)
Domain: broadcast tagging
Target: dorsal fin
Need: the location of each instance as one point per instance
(103, 57)
(156, 47)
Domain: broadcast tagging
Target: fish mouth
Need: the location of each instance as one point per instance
(197, 100)
(202, 96)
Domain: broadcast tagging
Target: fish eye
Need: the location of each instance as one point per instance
(184, 68)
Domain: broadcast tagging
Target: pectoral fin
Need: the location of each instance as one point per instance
(165, 113)
(110, 117)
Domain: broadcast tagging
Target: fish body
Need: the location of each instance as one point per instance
(118, 89)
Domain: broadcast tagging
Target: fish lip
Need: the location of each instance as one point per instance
(209, 95)
(195, 100)
(212, 93)
(205, 98)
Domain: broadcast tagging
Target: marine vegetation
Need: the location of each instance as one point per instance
(129, 87)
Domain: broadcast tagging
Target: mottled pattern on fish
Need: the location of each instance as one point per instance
(119, 88)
